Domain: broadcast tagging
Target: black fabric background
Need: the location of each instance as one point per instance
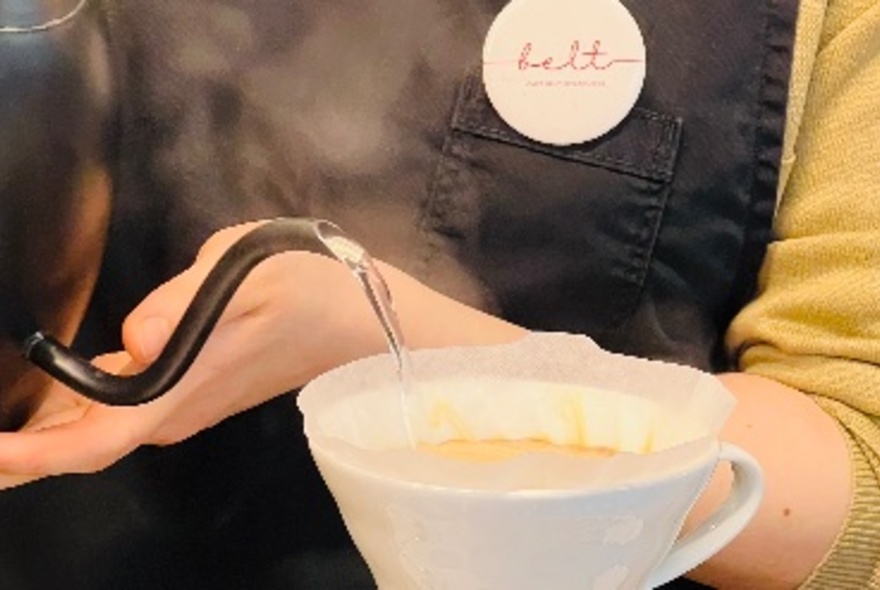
(212, 130)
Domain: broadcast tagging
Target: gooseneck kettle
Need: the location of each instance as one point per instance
(57, 104)
(273, 237)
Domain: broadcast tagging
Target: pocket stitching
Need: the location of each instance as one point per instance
(468, 116)
(656, 172)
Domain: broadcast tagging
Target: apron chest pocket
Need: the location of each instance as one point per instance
(552, 231)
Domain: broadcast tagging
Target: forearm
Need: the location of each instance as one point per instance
(808, 488)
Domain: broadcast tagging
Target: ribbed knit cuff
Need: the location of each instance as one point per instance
(854, 560)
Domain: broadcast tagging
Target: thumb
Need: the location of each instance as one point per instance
(148, 327)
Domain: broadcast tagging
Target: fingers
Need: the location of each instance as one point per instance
(11, 481)
(147, 329)
(72, 438)
(86, 445)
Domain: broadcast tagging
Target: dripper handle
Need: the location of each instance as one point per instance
(720, 528)
(197, 323)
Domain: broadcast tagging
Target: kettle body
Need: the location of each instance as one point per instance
(56, 106)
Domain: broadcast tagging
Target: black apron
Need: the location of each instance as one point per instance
(371, 113)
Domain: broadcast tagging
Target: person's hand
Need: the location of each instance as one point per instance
(295, 316)
(69, 433)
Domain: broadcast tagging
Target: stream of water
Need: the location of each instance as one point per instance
(361, 265)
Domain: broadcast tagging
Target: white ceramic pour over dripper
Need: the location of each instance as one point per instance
(424, 521)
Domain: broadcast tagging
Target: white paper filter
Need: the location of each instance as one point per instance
(562, 388)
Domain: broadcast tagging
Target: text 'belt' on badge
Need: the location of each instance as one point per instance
(562, 72)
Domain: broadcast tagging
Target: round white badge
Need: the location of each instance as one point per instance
(563, 71)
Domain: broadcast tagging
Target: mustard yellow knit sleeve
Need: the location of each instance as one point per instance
(815, 324)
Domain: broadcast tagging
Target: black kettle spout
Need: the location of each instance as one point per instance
(201, 316)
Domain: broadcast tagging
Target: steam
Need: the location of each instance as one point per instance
(274, 106)
(347, 85)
